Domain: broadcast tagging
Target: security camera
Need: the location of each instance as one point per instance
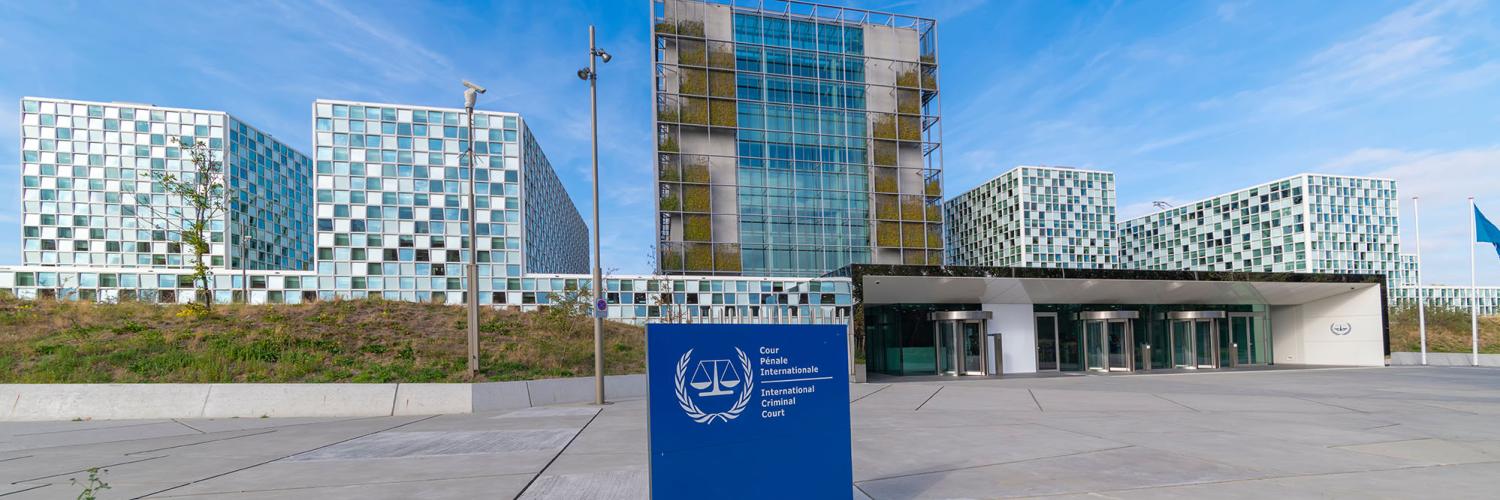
(475, 87)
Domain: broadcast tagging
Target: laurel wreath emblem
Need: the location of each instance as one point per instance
(702, 417)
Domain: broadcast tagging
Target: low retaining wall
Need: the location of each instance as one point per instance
(20, 402)
(1443, 359)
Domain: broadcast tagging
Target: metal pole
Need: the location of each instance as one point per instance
(1473, 283)
(244, 262)
(598, 285)
(473, 273)
(1416, 211)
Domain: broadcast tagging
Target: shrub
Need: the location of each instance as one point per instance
(690, 28)
(692, 81)
(695, 169)
(671, 258)
(721, 84)
(908, 102)
(913, 235)
(668, 171)
(885, 153)
(690, 53)
(912, 207)
(906, 78)
(888, 234)
(882, 126)
(885, 180)
(934, 187)
(697, 227)
(722, 113)
(666, 26)
(699, 257)
(695, 198)
(727, 257)
(669, 201)
(721, 55)
(695, 110)
(886, 207)
(911, 128)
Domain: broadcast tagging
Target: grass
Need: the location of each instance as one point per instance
(338, 341)
(1447, 331)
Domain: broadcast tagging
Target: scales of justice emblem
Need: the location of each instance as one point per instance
(713, 378)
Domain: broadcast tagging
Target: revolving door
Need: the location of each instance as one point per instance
(959, 339)
(1109, 340)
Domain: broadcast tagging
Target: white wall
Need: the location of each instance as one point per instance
(1303, 334)
(1016, 325)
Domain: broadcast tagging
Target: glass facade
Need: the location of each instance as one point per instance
(1035, 217)
(901, 340)
(1307, 223)
(631, 299)
(92, 196)
(796, 141)
(392, 203)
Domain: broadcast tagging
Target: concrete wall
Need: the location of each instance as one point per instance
(1305, 334)
(1444, 359)
(19, 402)
(1016, 325)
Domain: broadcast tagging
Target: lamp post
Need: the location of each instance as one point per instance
(592, 76)
(471, 93)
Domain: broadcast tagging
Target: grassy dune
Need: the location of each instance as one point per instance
(1447, 331)
(340, 341)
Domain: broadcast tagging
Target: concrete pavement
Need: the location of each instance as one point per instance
(1407, 432)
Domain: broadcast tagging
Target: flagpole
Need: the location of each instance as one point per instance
(1473, 284)
(1416, 210)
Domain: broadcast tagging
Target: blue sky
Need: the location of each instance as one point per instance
(1182, 100)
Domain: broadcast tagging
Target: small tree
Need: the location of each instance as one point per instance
(203, 193)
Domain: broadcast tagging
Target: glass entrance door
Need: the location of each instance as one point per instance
(947, 348)
(1182, 344)
(1120, 356)
(1196, 340)
(959, 342)
(1093, 345)
(972, 339)
(1047, 356)
(1108, 344)
(1205, 344)
(1248, 336)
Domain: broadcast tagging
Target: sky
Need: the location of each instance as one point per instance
(1182, 100)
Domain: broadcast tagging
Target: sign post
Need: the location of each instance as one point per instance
(748, 411)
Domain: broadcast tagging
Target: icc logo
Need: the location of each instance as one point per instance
(1340, 328)
(712, 381)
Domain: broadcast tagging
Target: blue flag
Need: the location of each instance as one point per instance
(1485, 231)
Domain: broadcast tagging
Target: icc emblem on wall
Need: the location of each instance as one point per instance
(717, 384)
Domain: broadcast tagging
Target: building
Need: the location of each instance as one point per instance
(794, 140)
(1307, 223)
(1035, 217)
(955, 320)
(92, 196)
(392, 204)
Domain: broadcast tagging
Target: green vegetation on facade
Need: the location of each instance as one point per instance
(340, 341)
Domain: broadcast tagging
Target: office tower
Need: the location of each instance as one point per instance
(1035, 217)
(1309, 223)
(92, 194)
(392, 206)
(793, 138)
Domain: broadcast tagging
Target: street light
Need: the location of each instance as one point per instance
(471, 93)
(591, 75)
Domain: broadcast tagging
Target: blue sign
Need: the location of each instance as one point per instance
(748, 411)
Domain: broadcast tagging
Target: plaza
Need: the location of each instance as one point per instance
(1247, 433)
